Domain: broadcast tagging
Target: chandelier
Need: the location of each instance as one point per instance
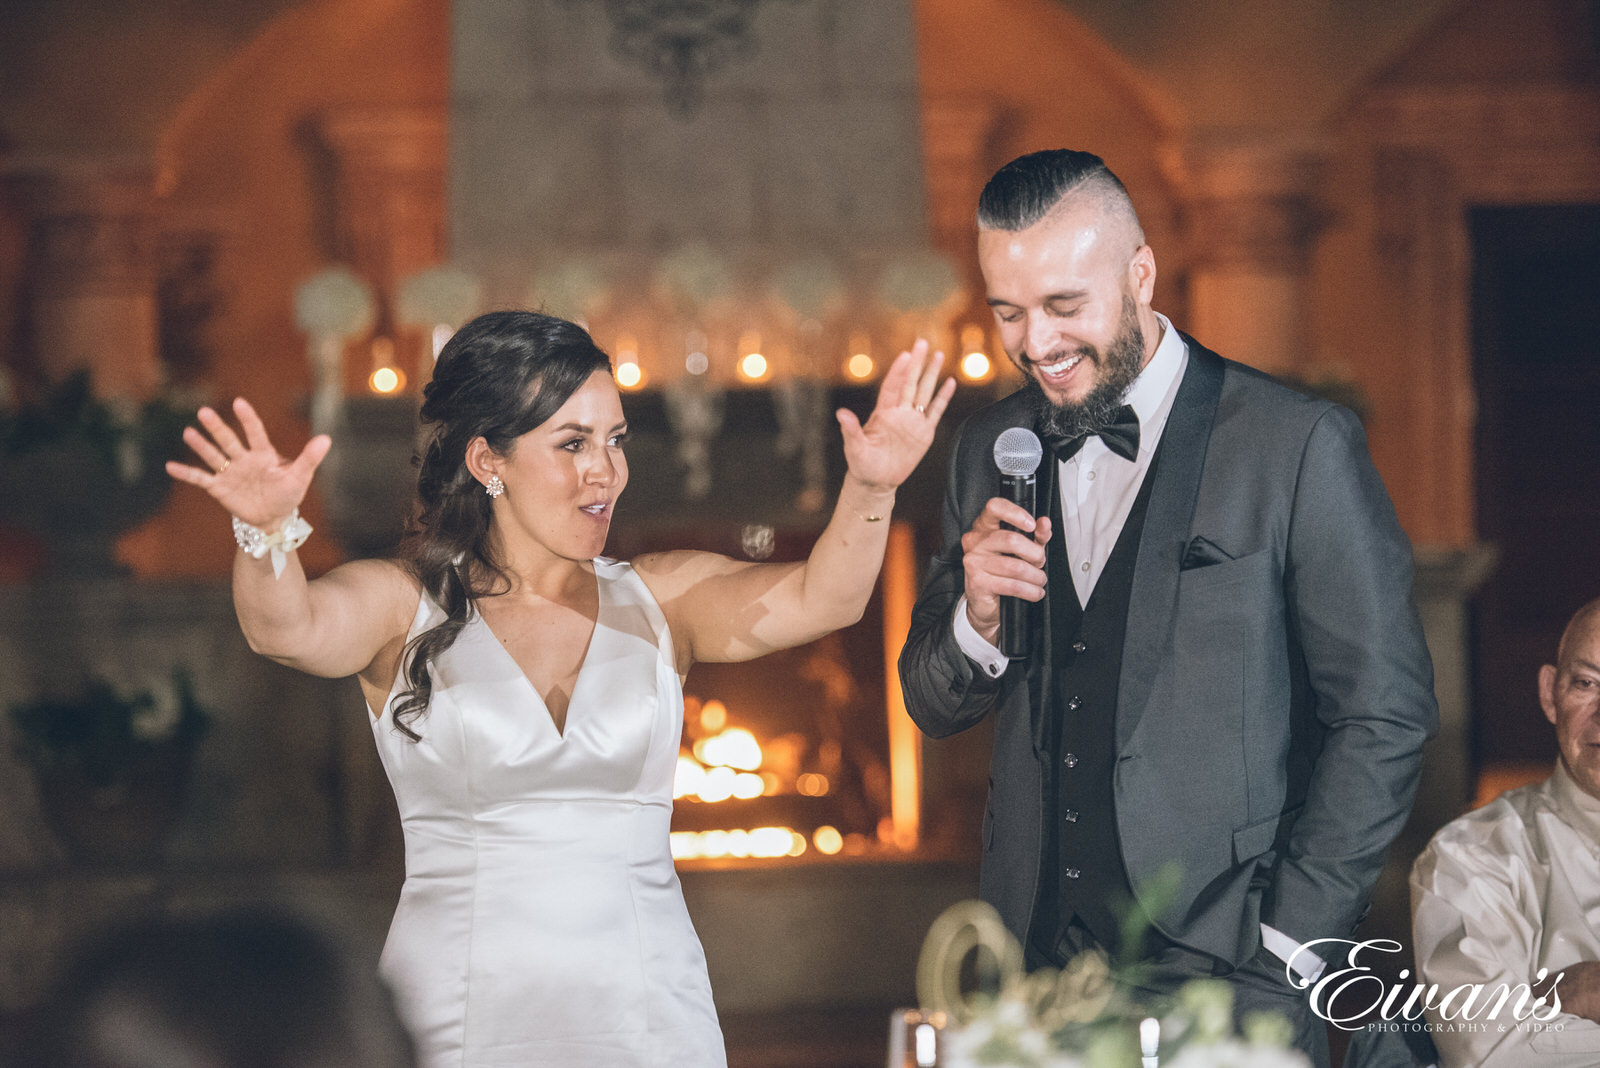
(682, 42)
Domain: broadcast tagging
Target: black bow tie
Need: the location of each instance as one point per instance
(1121, 436)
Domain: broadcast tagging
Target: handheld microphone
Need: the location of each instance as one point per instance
(1017, 453)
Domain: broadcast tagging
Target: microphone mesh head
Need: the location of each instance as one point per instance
(1017, 451)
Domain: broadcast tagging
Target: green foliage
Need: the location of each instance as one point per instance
(102, 732)
(1160, 891)
(1266, 1029)
(1208, 1005)
(1112, 1047)
(124, 439)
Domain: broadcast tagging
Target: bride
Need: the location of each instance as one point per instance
(526, 692)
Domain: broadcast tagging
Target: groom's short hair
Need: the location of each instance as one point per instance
(1026, 189)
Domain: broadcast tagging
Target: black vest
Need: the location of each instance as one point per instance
(1082, 875)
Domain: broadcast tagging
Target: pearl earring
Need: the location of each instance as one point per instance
(494, 487)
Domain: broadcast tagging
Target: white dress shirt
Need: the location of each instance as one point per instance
(1498, 894)
(1097, 491)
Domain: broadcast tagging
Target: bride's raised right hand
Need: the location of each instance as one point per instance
(248, 477)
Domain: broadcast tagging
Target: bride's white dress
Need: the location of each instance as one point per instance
(541, 921)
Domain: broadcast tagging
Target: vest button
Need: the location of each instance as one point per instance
(1079, 647)
(1070, 760)
(1070, 815)
(1074, 704)
(1071, 873)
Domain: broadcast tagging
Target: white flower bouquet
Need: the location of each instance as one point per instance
(439, 296)
(811, 287)
(693, 277)
(574, 287)
(919, 281)
(334, 303)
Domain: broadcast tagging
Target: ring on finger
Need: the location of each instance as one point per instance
(225, 464)
(922, 409)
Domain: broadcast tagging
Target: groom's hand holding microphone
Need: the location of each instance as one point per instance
(1003, 554)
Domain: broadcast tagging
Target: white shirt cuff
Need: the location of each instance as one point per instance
(978, 650)
(1307, 965)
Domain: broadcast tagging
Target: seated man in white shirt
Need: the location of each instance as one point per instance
(1510, 894)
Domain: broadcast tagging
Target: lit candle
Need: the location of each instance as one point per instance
(927, 1045)
(386, 377)
(386, 380)
(629, 374)
(753, 366)
(1149, 1041)
(975, 363)
(859, 365)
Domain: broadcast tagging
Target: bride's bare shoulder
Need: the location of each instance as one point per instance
(674, 572)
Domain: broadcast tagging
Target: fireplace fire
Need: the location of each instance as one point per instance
(727, 776)
(792, 761)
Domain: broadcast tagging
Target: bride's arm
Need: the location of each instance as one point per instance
(334, 626)
(721, 609)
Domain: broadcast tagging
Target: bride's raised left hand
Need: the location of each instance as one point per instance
(897, 434)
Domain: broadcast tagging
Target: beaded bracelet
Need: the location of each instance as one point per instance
(258, 543)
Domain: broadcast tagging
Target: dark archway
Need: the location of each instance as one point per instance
(1536, 355)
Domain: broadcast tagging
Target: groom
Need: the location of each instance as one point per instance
(1220, 715)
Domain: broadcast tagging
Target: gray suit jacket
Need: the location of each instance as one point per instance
(1275, 689)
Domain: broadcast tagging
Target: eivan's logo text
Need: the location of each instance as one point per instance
(1347, 997)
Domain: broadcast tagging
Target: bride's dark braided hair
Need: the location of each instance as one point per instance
(500, 376)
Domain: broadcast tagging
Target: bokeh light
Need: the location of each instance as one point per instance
(753, 366)
(386, 380)
(629, 375)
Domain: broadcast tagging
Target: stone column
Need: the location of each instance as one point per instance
(1251, 216)
(389, 197)
(91, 272)
(957, 144)
(389, 223)
(959, 147)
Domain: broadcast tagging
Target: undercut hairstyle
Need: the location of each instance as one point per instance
(500, 376)
(1028, 188)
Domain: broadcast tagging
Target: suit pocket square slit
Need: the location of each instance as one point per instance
(1202, 553)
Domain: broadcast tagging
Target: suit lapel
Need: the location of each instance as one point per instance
(1040, 673)
(1152, 602)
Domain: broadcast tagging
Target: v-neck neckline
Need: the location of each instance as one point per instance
(562, 731)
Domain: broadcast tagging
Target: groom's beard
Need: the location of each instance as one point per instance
(1118, 366)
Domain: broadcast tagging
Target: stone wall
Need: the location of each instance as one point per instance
(805, 135)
